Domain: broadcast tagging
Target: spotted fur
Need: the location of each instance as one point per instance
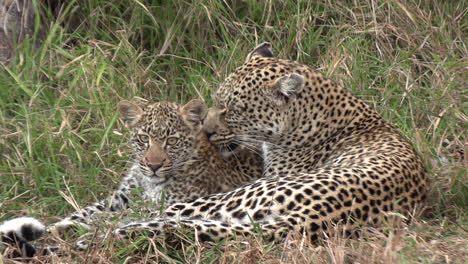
(328, 158)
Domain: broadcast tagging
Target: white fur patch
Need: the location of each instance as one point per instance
(226, 154)
(15, 225)
(266, 162)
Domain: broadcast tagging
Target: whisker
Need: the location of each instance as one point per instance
(249, 146)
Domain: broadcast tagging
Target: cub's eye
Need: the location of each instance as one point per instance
(172, 141)
(143, 138)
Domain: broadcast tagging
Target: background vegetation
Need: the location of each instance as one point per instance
(60, 136)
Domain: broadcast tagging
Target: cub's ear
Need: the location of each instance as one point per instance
(288, 87)
(193, 113)
(130, 113)
(263, 50)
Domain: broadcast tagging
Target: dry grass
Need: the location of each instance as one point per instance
(58, 125)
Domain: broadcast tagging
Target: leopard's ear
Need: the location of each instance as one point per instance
(263, 50)
(130, 113)
(193, 113)
(287, 87)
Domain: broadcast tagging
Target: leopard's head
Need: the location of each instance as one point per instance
(252, 105)
(162, 134)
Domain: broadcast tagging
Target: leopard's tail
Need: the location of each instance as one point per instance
(206, 229)
(19, 233)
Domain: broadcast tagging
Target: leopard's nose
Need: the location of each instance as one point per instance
(154, 166)
(209, 133)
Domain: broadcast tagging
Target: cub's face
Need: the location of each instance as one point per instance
(162, 135)
(251, 105)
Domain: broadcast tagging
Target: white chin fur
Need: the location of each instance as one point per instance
(16, 225)
(226, 154)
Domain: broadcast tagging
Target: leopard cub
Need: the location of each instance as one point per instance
(173, 162)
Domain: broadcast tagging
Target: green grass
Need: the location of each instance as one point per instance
(59, 128)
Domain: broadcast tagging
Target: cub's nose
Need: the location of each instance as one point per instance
(154, 166)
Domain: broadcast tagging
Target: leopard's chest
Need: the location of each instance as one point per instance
(152, 189)
(153, 193)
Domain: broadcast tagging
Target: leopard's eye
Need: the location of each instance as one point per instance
(143, 138)
(242, 107)
(172, 141)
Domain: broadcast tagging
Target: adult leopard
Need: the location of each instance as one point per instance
(328, 157)
(172, 156)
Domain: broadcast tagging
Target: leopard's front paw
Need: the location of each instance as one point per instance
(67, 226)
